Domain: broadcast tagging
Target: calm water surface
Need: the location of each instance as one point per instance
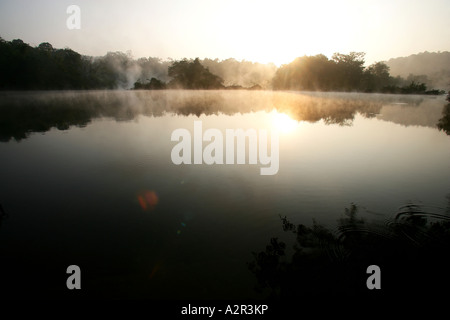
(87, 179)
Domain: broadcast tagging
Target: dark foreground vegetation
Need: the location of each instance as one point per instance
(411, 250)
(23, 67)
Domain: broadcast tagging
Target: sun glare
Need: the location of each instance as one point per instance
(283, 123)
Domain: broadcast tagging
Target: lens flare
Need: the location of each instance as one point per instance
(183, 225)
(155, 269)
(148, 200)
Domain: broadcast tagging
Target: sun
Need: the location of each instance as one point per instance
(283, 123)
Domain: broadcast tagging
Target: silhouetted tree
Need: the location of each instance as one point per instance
(342, 73)
(350, 69)
(306, 73)
(153, 84)
(192, 75)
(46, 68)
(43, 67)
(241, 73)
(45, 46)
(376, 77)
(444, 122)
(411, 249)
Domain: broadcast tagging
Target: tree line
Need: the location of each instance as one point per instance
(23, 67)
(344, 72)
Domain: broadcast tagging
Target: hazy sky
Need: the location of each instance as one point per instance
(255, 30)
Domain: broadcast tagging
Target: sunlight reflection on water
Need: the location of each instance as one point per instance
(79, 189)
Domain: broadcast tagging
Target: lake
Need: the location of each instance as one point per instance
(88, 180)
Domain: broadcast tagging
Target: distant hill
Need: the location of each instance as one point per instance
(434, 66)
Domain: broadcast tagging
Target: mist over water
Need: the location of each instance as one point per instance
(429, 67)
(88, 180)
(27, 112)
(286, 154)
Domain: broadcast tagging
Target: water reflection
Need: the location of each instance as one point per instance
(108, 198)
(411, 249)
(444, 122)
(24, 113)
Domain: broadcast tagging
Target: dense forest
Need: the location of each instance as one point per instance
(23, 67)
